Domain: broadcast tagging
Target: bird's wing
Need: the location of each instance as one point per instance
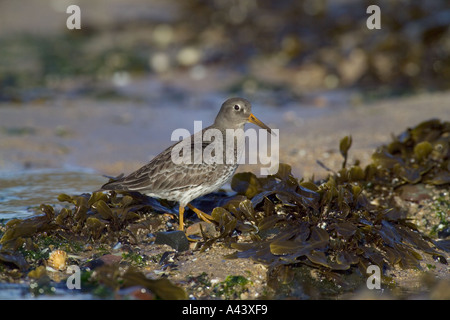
(162, 174)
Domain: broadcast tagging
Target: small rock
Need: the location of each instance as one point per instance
(136, 293)
(107, 259)
(445, 233)
(189, 56)
(414, 192)
(175, 239)
(208, 229)
(117, 246)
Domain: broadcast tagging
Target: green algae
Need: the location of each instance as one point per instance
(232, 287)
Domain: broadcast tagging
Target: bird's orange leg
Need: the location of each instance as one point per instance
(180, 218)
(204, 216)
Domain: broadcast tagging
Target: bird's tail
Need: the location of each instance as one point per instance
(113, 183)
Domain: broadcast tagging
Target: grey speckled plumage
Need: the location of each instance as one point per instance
(163, 178)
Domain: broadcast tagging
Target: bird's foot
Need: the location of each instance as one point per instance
(204, 216)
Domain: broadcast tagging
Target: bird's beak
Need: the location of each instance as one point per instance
(258, 122)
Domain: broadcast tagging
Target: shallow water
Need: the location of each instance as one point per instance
(21, 192)
(15, 291)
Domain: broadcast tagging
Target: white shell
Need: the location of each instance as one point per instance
(57, 260)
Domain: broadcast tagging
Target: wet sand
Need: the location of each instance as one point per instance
(112, 137)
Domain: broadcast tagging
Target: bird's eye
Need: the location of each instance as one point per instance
(236, 107)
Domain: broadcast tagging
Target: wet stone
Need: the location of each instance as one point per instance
(136, 293)
(107, 259)
(175, 239)
(414, 192)
(197, 228)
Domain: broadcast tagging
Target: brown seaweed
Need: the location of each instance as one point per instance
(333, 226)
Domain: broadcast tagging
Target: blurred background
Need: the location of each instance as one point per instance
(105, 99)
(289, 46)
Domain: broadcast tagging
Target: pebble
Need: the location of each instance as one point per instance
(176, 239)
